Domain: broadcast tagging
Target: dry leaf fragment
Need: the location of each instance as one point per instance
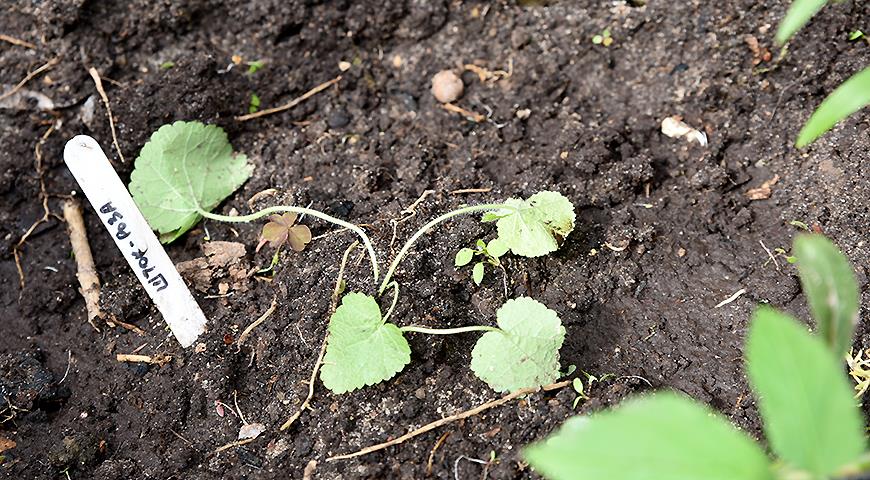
(6, 444)
(281, 229)
(675, 127)
(764, 191)
(251, 430)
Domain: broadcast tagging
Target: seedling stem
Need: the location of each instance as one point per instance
(429, 226)
(449, 331)
(305, 211)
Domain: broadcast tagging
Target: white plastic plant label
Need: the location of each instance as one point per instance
(143, 251)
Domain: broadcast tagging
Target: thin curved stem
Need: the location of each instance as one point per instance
(429, 226)
(306, 211)
(448, 331)
(395, 300)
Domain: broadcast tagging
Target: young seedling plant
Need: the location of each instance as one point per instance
(489, 253)
(187, 168)
(811, 421)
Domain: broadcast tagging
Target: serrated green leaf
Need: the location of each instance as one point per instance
(463, 257)
(810, 417)
(534, 227)
(185, 167)
(832, 292)
(799, 13)
(525, 352)
(362, 349)
(497, 247)
(665, 436)
(848, 98)
(477, 273)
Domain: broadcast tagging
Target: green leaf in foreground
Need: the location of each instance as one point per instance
(525, 352)
(535, 226)
(810, 417)
(362, 349)
(185, 167)
(799, 13)
(832, 292)
(848, 98)
(665, 436)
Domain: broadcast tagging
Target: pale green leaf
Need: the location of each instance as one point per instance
(185, 167)
(362, 349)
(534, 227)
(832, 292)
(799, 13)
(497, 247)
(848, 98)
(463, 257)
(665, 436)
(525, 352)
(477, 273)
(810, 417)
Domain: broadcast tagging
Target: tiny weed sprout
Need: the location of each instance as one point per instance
(489, 253)
(848, 98)
(282, 229)
(810, 419)
(603, 38)
(186, 169)
(255, 103)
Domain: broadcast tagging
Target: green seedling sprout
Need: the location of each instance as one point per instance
(857, 35)
(603, 38)
(255, 103)
(254, 66)
(811, 422)
(488, 253)
(186, 169)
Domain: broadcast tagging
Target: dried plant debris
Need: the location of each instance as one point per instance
(675, 127)
(222, 260)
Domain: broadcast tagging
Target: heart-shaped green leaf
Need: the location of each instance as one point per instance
(534, 227)
(362, 349)
(525, 352)
(185, 167)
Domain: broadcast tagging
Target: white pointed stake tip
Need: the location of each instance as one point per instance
(131, 233)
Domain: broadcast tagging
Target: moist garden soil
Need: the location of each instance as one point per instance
(665, 229)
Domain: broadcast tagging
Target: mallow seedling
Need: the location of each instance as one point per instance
(810, 418)
(186, 169)
(488, 253)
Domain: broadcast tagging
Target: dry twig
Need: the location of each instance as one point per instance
(256, 323)
(292, 103)
(471, 190)
(18, 42)
(159, 359)
(99, 84)
(30, 76)
(473, 116)
(86, 272)
(43, 195)
(444, 421)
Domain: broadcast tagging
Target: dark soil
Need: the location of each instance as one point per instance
(369, 147)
